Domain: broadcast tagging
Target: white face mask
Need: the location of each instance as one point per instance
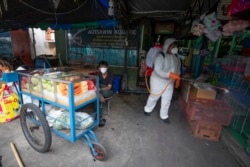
(103, 70)
(174, 50)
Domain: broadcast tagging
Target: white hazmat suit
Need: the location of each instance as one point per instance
(163, 66)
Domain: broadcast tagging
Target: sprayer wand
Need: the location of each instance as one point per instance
(217, 87)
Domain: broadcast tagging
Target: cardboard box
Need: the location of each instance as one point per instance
(199, 90)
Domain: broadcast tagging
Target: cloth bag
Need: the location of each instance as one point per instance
(235, 26)
(9, 104)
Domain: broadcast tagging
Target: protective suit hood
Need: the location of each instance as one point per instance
(167, 43)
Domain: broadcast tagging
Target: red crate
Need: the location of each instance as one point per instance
(216, 111)
(205, 130)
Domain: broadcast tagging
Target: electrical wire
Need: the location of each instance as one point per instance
(157, 11)
(52, 13)
(55, 15)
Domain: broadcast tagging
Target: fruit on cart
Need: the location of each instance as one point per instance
(63, 89)
(48, 85)
(35, 80)
(79, 88)
(37, 88)
(24, 82)
(91, 85)
(72, 78)
(84, 86)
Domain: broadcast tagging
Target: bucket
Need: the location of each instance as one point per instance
(117, 80)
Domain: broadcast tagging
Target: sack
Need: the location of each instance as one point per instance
(240, 9)
(82, 120)
(9, 104)
(211, 23)
(197, 28)
(234, 26)
(212, 35)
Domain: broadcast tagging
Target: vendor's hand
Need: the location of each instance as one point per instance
(177, 83)
(174, 76)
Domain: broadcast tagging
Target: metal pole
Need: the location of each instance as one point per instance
(125, 73)
(34, 42)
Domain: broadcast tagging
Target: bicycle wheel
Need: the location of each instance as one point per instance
(100, 154)
(35, 127)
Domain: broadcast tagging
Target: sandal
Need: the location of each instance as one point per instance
(102, 122)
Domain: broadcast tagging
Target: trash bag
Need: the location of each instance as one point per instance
(82, 120)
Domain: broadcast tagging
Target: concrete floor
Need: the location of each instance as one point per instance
(131, 140)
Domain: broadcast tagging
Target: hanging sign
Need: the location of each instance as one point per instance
(104, 38)
(164, 28)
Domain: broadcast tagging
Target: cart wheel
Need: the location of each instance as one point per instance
(35, 127)
(100, 154)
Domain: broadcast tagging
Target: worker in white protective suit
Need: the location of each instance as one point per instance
(165, 76)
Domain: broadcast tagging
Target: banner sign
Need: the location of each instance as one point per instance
(104, 38)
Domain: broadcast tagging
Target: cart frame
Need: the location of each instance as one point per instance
(88, 134)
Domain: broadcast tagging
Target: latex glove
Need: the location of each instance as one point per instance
(177, 83)
(174, 76)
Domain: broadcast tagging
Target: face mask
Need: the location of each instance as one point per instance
(103, 70)
(174, 50)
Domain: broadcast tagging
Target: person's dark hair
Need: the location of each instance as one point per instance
(103, 63)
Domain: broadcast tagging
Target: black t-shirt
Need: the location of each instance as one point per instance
(108, 80)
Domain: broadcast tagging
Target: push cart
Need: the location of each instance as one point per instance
(66, 92)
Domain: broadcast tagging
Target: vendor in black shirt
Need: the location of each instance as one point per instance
(106, 80)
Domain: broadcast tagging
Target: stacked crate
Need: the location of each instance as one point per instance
(205, 114)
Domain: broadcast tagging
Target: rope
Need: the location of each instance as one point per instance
(1, 13)
(5, 5)
(156, 94)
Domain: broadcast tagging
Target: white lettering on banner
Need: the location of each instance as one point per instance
(119, 32)
(123, 32)
(110, 32)
(132, 32)
(105, 38)
(94, 32)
